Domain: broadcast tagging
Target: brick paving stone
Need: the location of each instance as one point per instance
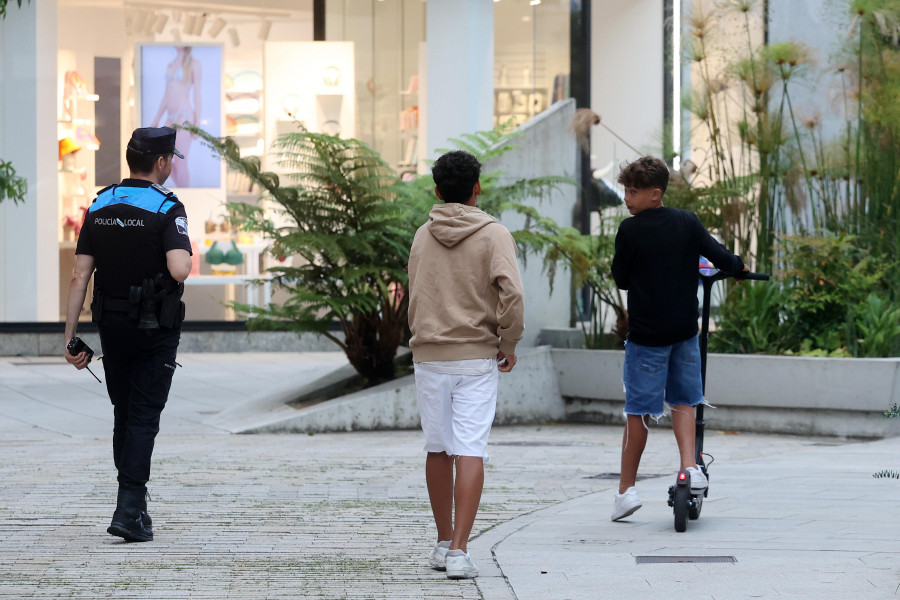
(271, 516)
(328, 516)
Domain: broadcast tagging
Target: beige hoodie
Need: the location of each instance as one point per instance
(465, 292)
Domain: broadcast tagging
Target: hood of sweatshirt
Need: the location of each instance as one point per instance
(453, 222)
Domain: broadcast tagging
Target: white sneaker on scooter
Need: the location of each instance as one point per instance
(698, 479)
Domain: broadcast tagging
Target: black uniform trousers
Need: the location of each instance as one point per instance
(139, 371)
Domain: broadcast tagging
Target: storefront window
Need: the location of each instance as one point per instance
(116, 62)
(531, 57)
(388, 37)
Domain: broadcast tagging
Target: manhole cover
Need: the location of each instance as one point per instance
(542, 444)
(615, 476)
(644, 560)
(53, 362)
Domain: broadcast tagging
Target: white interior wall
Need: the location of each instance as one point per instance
(294, 70)
(626, 79)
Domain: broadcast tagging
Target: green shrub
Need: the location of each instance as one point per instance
(750, 320)
(878, 328)
(825, 279)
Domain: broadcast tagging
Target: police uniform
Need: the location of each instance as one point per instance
(128, 230)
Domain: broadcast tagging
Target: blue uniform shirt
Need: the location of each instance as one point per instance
(128, 230)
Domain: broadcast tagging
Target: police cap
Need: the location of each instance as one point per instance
(154, 140)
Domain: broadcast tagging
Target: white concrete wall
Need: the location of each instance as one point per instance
(784, 394)
(626, 79)
(459, 85)
(546, 147)
(529, 394)
(29, 259)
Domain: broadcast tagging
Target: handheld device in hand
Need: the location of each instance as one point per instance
(76, 346)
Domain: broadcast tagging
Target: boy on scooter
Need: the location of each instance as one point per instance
(657, 252)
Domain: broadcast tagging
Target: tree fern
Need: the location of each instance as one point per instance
(345, 217)
(348, 220)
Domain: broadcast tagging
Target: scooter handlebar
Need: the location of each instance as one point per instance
(754, 276)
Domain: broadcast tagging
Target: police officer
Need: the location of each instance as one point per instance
(135, 236)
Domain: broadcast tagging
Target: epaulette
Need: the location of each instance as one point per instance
(163, 190)
(100, 193)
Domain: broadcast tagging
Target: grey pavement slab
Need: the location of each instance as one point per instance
(807, 521)
(346, 515)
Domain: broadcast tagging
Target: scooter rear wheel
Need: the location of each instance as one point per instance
(682, 500)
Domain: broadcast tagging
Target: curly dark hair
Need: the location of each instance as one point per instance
(455, 175)
(646, 172)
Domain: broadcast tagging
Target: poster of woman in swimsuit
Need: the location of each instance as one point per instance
(183, 84)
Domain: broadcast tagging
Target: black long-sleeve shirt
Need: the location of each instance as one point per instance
(656, 260)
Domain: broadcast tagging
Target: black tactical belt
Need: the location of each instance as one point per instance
(118, 305)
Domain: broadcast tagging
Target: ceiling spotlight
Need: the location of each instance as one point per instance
(199, 25)
(233, 35)
(535, 2)
(160, 23)
(264, 29)
(217, 27)
(190, 21)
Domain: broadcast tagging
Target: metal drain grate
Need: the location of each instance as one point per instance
(644, 560)
(549, 444)
(615, 476)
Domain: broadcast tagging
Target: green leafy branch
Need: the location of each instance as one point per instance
(12, 186)
(3, 4)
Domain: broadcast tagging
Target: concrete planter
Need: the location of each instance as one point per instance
(777, 394)
(529, 394)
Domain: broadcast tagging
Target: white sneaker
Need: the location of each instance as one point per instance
(436, 558)
(626, 504)
(459, 565)
(698, 479)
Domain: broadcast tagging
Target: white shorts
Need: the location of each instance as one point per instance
(457, 401)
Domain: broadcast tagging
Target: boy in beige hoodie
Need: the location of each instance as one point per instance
(466, 316)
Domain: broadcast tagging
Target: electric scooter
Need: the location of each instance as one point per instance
(685, 503)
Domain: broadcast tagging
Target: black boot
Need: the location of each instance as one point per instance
(126, 521)
(146, 521)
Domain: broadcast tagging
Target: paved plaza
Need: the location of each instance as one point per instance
(346, 515)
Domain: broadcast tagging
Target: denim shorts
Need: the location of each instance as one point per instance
(657, 374)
